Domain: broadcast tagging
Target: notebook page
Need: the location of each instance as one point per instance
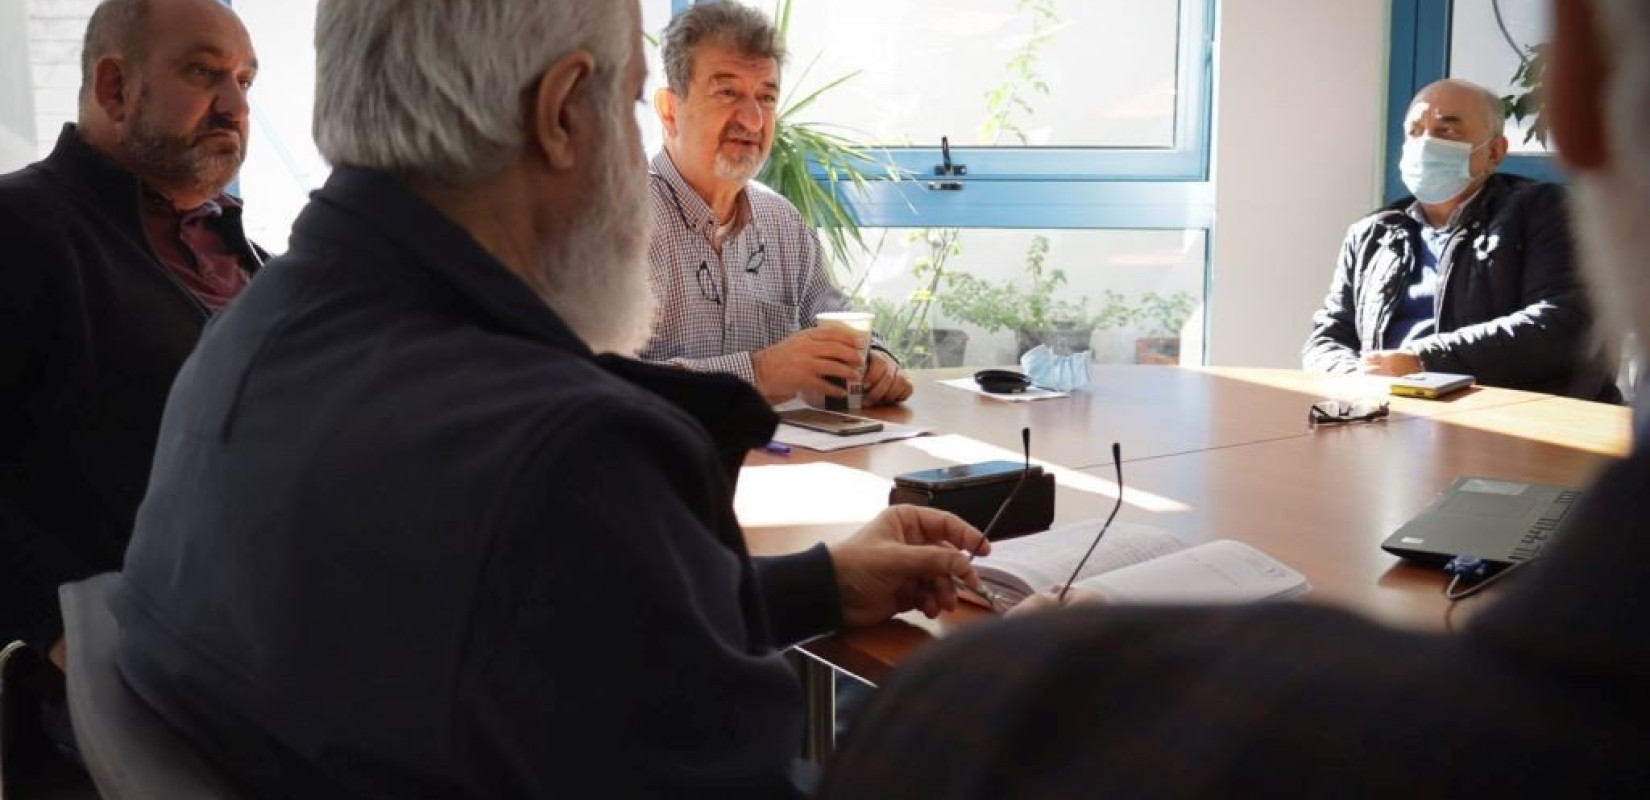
(1018, 568)
(1221, 571)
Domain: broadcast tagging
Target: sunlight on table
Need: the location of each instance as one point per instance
(784, 495)
(966, 450)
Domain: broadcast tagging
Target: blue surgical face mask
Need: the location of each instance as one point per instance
(1436, 170)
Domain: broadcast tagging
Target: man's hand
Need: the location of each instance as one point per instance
(885, 384)
(908, 557)
(59, 655)
(1392, 363)
(801, 362)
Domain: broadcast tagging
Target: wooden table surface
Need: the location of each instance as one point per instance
(1208, 453)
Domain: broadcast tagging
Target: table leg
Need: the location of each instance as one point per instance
(819, 699)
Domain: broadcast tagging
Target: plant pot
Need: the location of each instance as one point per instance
(1157, 350)
(1062, 338)
(949, 346)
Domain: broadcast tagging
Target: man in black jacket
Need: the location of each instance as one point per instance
(1540, 695)
(407, 534)
(1473, 274)
(120, 246)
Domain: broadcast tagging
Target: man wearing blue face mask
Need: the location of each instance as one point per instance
(1473, 274)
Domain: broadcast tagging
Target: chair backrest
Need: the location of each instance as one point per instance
(129, 750)
(10, 710)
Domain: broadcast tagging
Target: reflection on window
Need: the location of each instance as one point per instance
(984, 71)
(953, 297)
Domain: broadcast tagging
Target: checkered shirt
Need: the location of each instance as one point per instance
(770, 276)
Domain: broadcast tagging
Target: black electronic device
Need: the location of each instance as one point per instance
(1001, 498)
(829, 421)
(1002, 381)
(1499, 521)
(957, 476)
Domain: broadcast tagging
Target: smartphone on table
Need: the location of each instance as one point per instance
(829, 421)
(957, 476)
(1430, 385)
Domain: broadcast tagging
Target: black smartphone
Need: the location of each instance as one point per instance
(829, 421)
(959, 475)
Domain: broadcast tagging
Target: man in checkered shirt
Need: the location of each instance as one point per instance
(739, 275)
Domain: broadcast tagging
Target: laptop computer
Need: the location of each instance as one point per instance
(1502, 522)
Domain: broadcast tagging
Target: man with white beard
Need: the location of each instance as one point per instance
(740, 276)
(1540, 695)
(407, 534)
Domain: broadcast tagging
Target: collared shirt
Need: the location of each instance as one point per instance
(191, 246)
(718, 305)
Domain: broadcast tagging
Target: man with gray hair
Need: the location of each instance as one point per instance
(1537, 697)
(739, 275)
(417, 528)
(120, 246)
(1473, 274)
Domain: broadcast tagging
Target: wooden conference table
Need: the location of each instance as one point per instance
(1208, 453)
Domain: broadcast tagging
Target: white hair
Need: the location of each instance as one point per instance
(1610, 205)
(433, 89)
(596, 277)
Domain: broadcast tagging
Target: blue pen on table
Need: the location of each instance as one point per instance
(777, 448)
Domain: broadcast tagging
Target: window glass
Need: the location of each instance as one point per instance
(987, 71)
(1129, 296)
(1489, 40)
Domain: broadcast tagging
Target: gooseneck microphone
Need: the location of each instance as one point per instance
(1025, 472)
(1117, 459)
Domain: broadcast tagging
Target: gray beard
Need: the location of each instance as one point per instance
(1609, 213)
(741, 170)
(174, 161)
(1611, 207)
(596, 279)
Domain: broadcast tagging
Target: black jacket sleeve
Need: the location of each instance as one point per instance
(620, 616)
(1333, 344)
(33, 560)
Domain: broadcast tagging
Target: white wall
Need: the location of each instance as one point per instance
(16, 87)
(1300, 94)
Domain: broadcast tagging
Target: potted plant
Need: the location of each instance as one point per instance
(1033, 311)
(1159, 319)
(904, 326)
(800, 146)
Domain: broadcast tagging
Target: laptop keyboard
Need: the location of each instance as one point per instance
(1535, 540)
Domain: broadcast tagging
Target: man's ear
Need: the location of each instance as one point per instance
(557, 116)
(1575, 82)
(664, 104)
(1498, 150)
(112, 87)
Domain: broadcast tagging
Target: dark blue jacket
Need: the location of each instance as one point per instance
(407, 537)
(92, 330)
(1510, 310)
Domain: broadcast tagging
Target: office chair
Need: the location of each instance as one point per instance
(30, 766)
(130, 751)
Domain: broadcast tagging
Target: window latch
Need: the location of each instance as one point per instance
(947, 169)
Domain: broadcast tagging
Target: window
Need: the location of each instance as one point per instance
(1084, 130)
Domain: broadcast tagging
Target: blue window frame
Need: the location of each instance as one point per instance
(1420, 53)
(1066, 187)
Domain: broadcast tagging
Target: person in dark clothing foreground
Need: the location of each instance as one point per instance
(415, 529)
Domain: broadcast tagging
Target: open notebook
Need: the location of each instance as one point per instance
(1136, 564)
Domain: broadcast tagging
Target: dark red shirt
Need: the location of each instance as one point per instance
(194, 249)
